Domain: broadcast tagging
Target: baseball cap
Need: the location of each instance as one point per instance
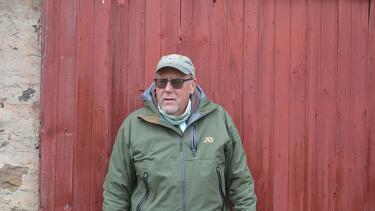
(180, 62)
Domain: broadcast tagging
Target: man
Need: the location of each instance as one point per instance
(179, 152)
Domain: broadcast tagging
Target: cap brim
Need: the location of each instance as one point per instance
(173, 65)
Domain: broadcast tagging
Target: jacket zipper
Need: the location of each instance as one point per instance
(144, 198)
(220, 186)
(182, 174)
(182, 164)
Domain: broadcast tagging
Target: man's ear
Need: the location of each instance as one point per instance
(193, 86)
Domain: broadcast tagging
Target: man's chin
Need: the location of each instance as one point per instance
(169, 110)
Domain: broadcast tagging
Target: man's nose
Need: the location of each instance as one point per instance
(169, 87)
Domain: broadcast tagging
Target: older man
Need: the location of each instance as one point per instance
(179, 152)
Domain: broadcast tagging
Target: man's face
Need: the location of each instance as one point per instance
(174, 101)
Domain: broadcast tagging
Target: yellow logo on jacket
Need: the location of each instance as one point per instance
(208, 140)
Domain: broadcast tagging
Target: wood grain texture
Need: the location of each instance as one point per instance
(84, 140)
(343, 172)
(295, 75)
(282, 104)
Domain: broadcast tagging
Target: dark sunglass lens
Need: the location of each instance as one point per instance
(161, 83)
(177, 83)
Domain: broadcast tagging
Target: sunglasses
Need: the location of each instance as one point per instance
(176, 83)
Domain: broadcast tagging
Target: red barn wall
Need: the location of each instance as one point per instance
(297, 76)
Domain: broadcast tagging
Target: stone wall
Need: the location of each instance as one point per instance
(20, 68)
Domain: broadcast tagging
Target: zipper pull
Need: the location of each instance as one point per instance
(194, 143)
(145, 176)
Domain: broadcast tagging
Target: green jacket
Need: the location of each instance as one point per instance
(155, 166)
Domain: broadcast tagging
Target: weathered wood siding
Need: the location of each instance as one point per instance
(297, 76)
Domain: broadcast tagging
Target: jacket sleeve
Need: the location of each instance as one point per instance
(118, 184)
(239, 182)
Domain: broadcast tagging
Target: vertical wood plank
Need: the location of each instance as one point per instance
(136, 49)
(85, 90)
(49, 97)
(282, 102)
(313, 67)
(170, 26)
(121, 74)
(218, 52)
(187, 28)
(344, 177)
(101, 101)
(202, 43)
(234, 70)
(66, 117)
(370, 88)
(297, 77)
(152, 39)
(327, 96)
(266, 102)
(359, 142)
(119, 38)
(251, 89)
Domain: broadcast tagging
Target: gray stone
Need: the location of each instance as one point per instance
(11, 176)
